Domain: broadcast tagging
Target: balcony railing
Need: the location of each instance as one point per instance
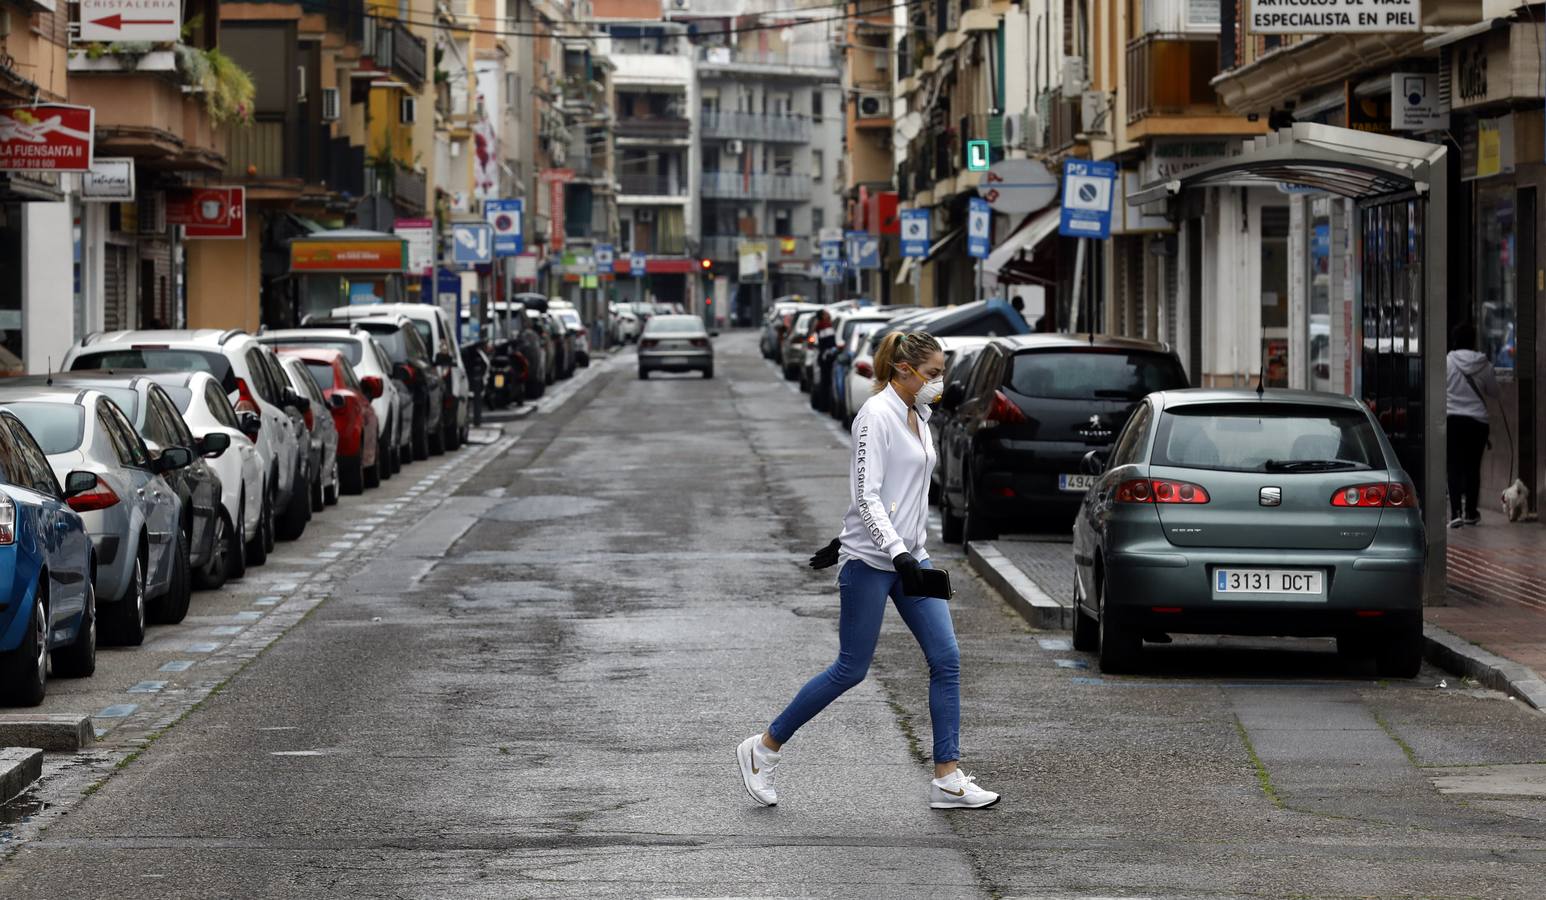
(658, 128)
(806, 57)
(738, 186)
(653, 185)
(755, 126)
(393, 46)
(1064, 120)
(1170, 75)
(256, 150)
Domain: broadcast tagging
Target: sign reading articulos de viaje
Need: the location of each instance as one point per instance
(1334, 16)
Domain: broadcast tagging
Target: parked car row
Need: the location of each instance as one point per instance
(1267, 512)
(534, 342)
(162, 461)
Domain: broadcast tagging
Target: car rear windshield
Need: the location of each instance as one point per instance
(1267, 437)
(126, 398)
(1093, 374)
(685, 325)
(57, 427)
(349, 348)
(181, 397)
(392, 340)
(322, 374)
(152, 358)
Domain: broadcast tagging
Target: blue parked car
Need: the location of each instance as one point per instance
(47, 566)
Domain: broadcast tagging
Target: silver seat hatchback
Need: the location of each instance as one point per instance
(1225, 512)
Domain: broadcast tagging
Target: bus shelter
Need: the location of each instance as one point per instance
(1399, 189)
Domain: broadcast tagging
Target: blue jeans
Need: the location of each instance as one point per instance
(864, 591)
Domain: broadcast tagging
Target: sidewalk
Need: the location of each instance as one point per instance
(1493, 627)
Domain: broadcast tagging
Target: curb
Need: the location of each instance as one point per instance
(1459, 656)
(19, 768)
(1018, 590)
(62, 732)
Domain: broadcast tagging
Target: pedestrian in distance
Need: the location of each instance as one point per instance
(826, 348)
(881, 553)
(1469, 382)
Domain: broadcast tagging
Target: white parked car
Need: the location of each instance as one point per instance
(435, 328)
(207, 410)
(250, 375)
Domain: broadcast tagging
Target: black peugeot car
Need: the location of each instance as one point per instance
(1021, 417)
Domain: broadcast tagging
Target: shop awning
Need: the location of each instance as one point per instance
(1035, 229)
(905, 271)
(1339, 161)
(940, 244)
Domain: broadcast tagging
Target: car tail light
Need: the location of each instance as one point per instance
(99, 497)
(244, 398)
(648, 344)
(864, 370)
(1395, 493)
(7, 521)
(150, 346)
(1003, 411)
(700, 342)
(811, 339)
(1160, 490)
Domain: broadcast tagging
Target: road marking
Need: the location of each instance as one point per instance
(296, 753)
(117, 711)
(147, 687)
(177, 665)
(203, 647)
(329, 554)
(341, 545)
(1071, 664)
(1054, 644)
(248, 615)
(267, 601)
(226, 630)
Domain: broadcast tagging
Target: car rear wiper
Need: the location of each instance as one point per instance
(1308, 465)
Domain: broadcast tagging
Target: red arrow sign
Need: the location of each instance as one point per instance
(117, 22)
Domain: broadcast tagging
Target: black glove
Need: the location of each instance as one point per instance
(826, 557)
(907, 567)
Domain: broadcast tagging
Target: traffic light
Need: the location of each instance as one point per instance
(706, 265)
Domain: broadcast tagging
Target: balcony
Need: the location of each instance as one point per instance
(755, 126)
(655, 128)
(394, 47)
(652, 185)
(256, 150)
(148, 116)
(737, 186)
(817, 61)
(407, 188)
(1171, 75)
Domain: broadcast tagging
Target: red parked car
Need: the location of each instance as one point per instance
(348, 397)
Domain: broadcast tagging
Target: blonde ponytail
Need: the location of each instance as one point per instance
(911, 347)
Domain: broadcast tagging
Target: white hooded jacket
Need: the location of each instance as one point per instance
(1460, 398)
(888, 512)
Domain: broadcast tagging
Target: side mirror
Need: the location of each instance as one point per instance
(400, 372)
(336, 401)
(955, 392)
(250, 423)
(1094, 462)
(173, 458)
(444, 359)
(302, 404)
(214, 444)
(373, 386)
(713, 334)
(78, 483)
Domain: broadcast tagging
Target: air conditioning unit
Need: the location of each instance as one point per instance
(1035, 138)
(1073, 77)
(734, 147)
(1014, 130)
(874, 105)
(645, 214)
(408, 110)
(330, 104)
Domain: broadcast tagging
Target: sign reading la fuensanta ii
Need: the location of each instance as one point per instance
(50, 136)
(1334, 16)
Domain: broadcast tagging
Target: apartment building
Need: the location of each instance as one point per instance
(870, 59)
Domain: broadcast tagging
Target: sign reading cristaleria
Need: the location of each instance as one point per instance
(1334, 16)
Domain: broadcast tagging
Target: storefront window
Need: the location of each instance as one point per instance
(1274, 295)
(10, 290)
(1319, 282)
(1496, 315)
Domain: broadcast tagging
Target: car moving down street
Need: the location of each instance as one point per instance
(1225, 512)
(672, 343)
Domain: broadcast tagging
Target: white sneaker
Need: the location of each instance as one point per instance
(757, 765)
(959, 790)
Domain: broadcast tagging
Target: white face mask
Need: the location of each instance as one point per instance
(931, 390)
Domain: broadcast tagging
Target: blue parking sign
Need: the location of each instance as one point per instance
(636, 263)
(604, 259)
(1088, 188)
(505, 216)
(915, 233)
(979, 227)
(472, 243)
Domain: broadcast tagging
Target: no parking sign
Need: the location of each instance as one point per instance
(505, 216)
(1087, 191)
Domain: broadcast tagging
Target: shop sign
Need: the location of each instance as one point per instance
(1170, 159)
(384, 255)
(50, 136)
(1415, 104)
(1334, 16)
(555, 179)
(420, 235)
(1495, 146)
(131, 20)
(111, 179)
(204, 207)
(1498, 66)
(235, 224)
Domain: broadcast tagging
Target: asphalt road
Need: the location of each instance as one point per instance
(534, 689)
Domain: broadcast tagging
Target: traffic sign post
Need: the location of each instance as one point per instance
(155, 21)
(472, 243)
(915, 233)
(1088, 188)
(979, 227)
(636, 265)
(506, 218)
(605, 258)
(977, 156)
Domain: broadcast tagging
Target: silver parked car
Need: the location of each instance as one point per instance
(132, 514)
(676, 344)
(322, 434)
(1225, 512)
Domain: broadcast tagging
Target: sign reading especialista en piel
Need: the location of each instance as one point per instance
(1334, 16)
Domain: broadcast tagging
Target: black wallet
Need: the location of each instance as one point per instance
(930, 583)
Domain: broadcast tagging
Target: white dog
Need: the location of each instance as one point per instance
(1515, 498)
